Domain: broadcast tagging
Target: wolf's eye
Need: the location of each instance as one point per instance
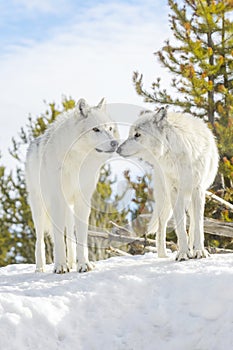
(137, 135)
(96, 129)
(110, 129)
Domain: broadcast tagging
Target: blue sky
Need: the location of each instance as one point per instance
(34, 20)
(78, 48)
(24, 21)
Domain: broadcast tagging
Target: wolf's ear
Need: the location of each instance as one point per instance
(161, 116)
(83, 107)
(102, 104)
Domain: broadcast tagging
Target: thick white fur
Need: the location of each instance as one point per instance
(184, 155)
(61, 174)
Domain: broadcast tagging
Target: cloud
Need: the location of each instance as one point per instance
(91, 55)
(46, 6)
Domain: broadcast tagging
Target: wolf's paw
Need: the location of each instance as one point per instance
(183, 255)
(72, 266)
(162, 254)
(200, 253)
(60, 268)
(40, 269)
(85, 266)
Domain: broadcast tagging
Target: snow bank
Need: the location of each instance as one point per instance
(131, 303)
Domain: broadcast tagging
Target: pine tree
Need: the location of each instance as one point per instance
(200, 59)
(15, 219)
(105, 203)
(142, 201)
(6, 241)
(105, 211)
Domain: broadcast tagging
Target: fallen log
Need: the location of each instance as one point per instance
(211, 226)
(219, 200)
(117, 252)
(219, 228)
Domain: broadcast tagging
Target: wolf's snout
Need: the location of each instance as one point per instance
(105, 147)
(114, 144)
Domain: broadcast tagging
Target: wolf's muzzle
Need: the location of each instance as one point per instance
(113, 145)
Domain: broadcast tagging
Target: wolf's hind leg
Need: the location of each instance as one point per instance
(39, 222)
(161, 233)
(180, 225)
(197, 217)
(158, 224)
(39, 219)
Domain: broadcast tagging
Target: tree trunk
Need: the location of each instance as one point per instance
(211, 107)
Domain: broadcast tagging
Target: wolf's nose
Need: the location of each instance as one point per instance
(114, 144)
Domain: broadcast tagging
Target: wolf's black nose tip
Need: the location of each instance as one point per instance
(114, 144)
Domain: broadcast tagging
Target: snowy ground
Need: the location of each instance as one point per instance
(125, 303)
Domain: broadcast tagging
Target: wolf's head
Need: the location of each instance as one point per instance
(99, 132)
(146, 136)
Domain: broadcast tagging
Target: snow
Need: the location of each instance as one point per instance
(131, 303)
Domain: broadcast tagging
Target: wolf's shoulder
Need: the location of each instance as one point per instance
(187, 122)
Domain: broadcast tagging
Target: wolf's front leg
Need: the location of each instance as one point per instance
(70, 239)
(158, 225)
(161, 214)
(161, 236)
(82, 211)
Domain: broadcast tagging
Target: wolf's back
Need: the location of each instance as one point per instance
(199, 141)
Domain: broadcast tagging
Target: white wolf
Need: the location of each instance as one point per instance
(61, 174)
(184, 155)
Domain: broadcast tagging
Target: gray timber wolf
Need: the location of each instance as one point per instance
(184, 155)
(62, 169)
